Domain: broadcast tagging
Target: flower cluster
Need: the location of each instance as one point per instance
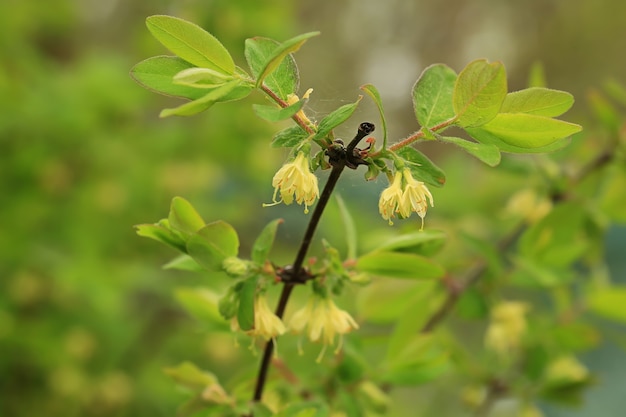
(507, 326)
(321, 319)
(404, 196)
(295, 180)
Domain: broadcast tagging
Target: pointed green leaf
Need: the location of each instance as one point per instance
(609, 303)
(191, 376)
(263, 244)
(385, 302)
(276, 114)
(375, 95)
(479, 92)
(204, 102)
(528, 130)
(432, 95)
(157, 74)
(245, 313)
(280, 52)
(162, 233)
(350, 229)
(399, 265)
(486, 152)
(424, 242)
(488, 138)
(202, 78)
(184, 217)
(422, 167)
(190, 42)
(421, 360)
(335, 118)
(289, 137)
(212, 244)
(538, 101)
(183, 263)
(201, 303)
(285, 78)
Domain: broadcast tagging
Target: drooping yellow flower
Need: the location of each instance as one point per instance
(390, 199)
(507, 326)
(295, 180)
(266, 324)
(414, 197)
(293, 99)
(321, 319)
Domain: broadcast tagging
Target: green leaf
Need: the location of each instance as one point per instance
(276, 114)
(420, 360)
(399, 265)
(479, 92)
(432, 95)
(184, 217)
(304, 409)
(183, 263)
(385, 301)
(350, 228)
(488, 138)
(486, 152)
(245, 313)
(204, 102)
(201, 78)
(558, 239)
(212, 244)
(190, 376)
(162, 233)
(335, 118)
(263, 244)
(422, 167)
(375, 95)
(285, 78)
(279, 53)
(201, 303)
(157, 74)
(609, 303)
(190, 42)
(538, 101)
(289, 137)
(425, 243)
(529, 130)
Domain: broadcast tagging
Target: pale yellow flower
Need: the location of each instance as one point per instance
(507, 326)
(390, 199)
(414, 197)
(322, 320)
(266, 324)
(295, 180)
(567, 368)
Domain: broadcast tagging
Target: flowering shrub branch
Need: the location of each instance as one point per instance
(494, 121)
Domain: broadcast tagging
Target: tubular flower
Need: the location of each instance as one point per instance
(295, 179)
(391, 198)
(266, 323)
(322, 319)
(414, 197)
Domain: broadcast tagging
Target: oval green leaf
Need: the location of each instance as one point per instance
(479, 92)
(609, 303)
(422, 167)
(425, 242)
(184, 217)
(190, 42)
(284, 80)
(538, 101)
(432, 95)
(276, 114)
(245, 313)
(399, 265)
(486, 152)
(157, 74)
(161, 233)
(289, 137)
(488, 138)
(263, 244)
(212, 244)
(204, 102)
(529, 130)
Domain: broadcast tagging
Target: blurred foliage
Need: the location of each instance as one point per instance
(87, 323)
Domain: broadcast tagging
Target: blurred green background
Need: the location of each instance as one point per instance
(87, 317)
